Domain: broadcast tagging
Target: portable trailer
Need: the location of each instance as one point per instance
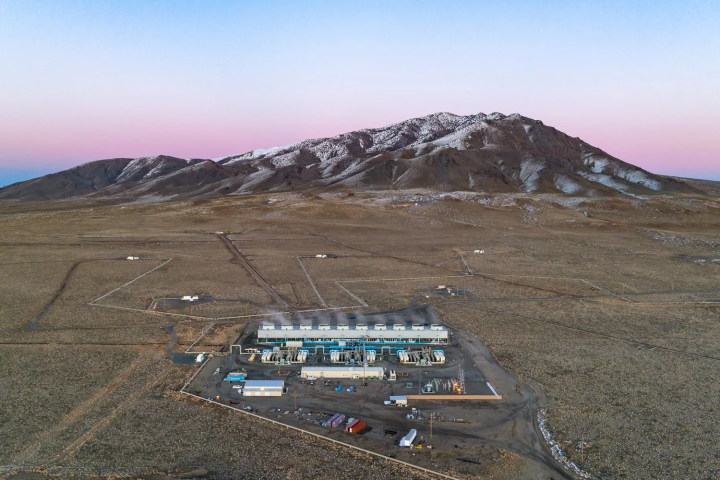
(336, 420)
(407, 440)
(356, 426)
(350, 425)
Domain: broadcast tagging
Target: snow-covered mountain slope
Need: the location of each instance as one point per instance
(492, 153)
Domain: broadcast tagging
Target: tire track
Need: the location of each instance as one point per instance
(31, 326)
(75, 414)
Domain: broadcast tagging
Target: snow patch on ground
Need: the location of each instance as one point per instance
(555, 448)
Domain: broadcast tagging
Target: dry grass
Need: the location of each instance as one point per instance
(646, 413)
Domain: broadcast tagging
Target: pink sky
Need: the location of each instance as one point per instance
(86, 80)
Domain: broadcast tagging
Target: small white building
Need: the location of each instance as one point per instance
(342, 372)
(263, 388)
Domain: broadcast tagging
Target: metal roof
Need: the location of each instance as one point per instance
(316, 333)
(264, 383)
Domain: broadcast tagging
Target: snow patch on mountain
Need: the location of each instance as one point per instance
(530, 174)
(640, 178)
(566, 184)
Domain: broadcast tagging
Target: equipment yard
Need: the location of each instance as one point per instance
(492, 336)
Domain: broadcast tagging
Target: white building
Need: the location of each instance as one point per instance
(263, 388)
(342, 372)
(407, 440)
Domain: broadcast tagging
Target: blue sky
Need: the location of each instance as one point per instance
(84, 80)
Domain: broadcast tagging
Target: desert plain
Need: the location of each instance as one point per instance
(607, 309)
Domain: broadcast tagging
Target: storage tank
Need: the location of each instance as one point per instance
(399, 326)
(343, 326)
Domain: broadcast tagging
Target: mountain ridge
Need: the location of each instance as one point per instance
(441, 151)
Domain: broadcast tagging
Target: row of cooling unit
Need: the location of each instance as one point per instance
(359, 326)
(283, 357)
(352, 356)
(424, 357)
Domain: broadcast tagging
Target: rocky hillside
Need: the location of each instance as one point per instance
(490, 153)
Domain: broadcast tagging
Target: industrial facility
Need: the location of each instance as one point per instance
(381, 367)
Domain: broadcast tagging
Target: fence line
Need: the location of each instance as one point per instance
(305, 432)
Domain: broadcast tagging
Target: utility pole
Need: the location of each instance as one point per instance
(295, 392)
(432, 414)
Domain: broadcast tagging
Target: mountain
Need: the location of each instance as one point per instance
(442, 151)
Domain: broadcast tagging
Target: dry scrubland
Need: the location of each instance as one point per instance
(644, 413)
(91, 391)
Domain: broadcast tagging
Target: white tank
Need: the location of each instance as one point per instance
(399, 326)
